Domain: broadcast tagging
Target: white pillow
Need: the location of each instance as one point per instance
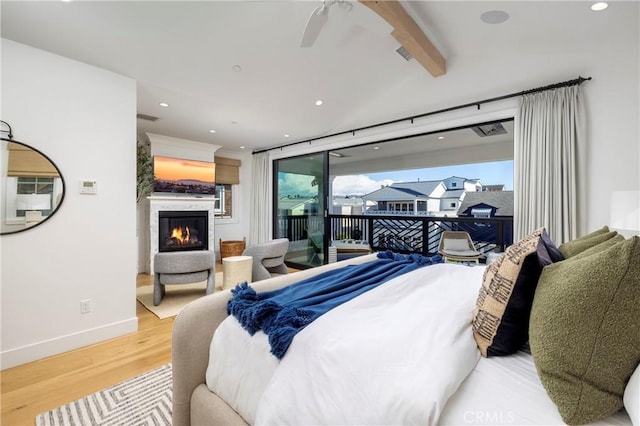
(632, 397)
(456, 244)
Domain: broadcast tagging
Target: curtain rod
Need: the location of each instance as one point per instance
(576, 81)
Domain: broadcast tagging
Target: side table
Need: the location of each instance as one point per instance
(235, 270)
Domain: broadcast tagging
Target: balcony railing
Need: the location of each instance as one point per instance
(403, 234)
(395, 213)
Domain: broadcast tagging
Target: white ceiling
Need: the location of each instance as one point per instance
(182, 53)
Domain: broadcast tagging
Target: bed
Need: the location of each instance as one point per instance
(411, 350)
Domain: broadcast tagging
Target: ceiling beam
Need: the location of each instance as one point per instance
(407, 32)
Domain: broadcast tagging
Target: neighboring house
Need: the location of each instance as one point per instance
(427, 198)
(486, 204)
(347, 205)
(296, 206)
(493, 187)
(454, 183)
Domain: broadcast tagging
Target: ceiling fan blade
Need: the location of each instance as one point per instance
(317, 20)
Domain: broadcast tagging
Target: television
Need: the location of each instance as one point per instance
(183, 177)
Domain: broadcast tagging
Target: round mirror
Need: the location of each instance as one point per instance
(32, 187)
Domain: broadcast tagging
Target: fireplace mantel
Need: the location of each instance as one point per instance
(159, 203)
(181, 198)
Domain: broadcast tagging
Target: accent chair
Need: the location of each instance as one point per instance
(268, 258)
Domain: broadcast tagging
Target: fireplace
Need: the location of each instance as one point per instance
(183, 230)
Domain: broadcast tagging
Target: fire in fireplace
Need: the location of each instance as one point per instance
(183, 230)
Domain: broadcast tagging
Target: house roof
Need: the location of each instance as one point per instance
(291, 203)
(391, 193)
(500, 200)
(476, 180)
(351, 201)
(404, 191)
(410, 191)
(452, 193)
(499, 187)
(424, 188)
(237, 66)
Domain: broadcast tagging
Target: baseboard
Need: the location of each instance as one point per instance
(45, 348)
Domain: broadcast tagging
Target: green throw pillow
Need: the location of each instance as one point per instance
(573, 247)
(602, 230)
(605, 229)
(584, 331)
(600, 247)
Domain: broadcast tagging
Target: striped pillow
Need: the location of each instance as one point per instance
(501, 318)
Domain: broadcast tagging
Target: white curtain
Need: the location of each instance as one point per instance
(548, 147)
(260, 200)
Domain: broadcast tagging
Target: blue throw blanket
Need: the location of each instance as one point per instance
(282, 313)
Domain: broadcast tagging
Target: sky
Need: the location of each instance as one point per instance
(493, 173)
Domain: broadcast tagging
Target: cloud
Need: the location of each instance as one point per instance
(293, 184)
(357, 185)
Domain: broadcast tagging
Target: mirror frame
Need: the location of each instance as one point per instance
(64, 188)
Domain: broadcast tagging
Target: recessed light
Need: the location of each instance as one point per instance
(236, 68)
(242, 147)
(286, 135)
(494, 17)
(376, 147)
(234, 122)
(599, 6)
(163, 104)
(319, 102)
(212, 131)
(440, 137)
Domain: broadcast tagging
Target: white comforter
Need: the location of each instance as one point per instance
(393, 355)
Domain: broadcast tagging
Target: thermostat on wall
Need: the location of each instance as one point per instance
(88, 187)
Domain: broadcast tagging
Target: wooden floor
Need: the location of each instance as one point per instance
(30, 389)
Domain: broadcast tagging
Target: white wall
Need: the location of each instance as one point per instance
(181, 148)
(84, 119)
(613, 123)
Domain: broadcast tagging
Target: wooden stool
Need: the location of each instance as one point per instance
(235, 270)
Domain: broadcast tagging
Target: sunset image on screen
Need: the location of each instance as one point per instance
(178, 175)
(166, 168)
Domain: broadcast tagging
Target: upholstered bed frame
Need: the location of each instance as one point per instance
(565, 285)
(193, 402)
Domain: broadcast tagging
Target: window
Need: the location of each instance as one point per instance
(30, 198)
(224, 203)
(227, 175)
(454, 184)
(481, 213)
(453, 205)
(38, 190)
(400, 207)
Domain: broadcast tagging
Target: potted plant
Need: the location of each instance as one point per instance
(144, 172)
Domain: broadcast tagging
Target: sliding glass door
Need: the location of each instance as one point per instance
(300, 192)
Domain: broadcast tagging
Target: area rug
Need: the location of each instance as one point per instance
(176, 297)
(142, 400)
